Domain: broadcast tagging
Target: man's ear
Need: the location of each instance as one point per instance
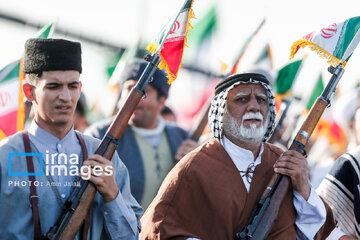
(28, 91)
(162, 101)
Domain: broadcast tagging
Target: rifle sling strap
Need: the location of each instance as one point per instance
(34, 198)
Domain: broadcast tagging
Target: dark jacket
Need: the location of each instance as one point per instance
(129, 152)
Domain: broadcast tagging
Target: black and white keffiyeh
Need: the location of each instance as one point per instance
(218, 104)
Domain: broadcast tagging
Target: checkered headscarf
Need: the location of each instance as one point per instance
(218, 104)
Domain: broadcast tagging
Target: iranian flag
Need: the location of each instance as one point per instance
(330, 42)
(10, 101)
(12, 106)
(173, 39)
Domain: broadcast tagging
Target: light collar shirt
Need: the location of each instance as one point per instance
(56, 156)
(242, 158)
(152, 136)
(311, 214)
(120, 220)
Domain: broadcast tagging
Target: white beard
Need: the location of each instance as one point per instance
(253, 134)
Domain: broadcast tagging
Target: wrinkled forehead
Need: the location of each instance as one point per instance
(247, 89)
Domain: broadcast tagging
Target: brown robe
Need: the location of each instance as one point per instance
(204, 196)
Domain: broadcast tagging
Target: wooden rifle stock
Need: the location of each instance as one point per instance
(200, 122)
(264, 215)
(79, 202)
(115, 130)
(276, 136)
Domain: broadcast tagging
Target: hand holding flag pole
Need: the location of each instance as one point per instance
(266, 210)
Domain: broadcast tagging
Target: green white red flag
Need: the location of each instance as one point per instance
(173, 38)
(9, 99)
(330, 42)
(286, 78)
(12, 106)
(128, 55)
(244, 47)
(319, 87)
(265, 58)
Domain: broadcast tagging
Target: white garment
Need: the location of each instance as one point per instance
(311, 214)
(242, 158)
(152, 136)
(335, 234)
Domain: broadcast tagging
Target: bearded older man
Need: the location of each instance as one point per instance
(211, 192)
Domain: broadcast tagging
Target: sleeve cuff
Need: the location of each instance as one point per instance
(119, 219)
(335, 234)
(115, 206)
(313, 203)
(311, 214)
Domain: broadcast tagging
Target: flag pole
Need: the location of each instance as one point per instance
(353, 44)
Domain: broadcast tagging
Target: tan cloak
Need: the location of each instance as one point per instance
(204, 197)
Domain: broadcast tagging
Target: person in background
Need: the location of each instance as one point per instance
(149, 146)
(341, 186)
(80, 121)
(168, 115)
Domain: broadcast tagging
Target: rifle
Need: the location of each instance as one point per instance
(201, 121)
(77, 205)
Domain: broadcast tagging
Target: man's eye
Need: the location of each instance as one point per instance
(261, 100)
(242, 99)
(74, 86)
(53, 86)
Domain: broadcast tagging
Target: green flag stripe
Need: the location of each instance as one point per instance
(347, 34)
(263, 55)
(187, 6)
(203, 28)
(319, 87)
(45, 31)
(286, 77)
(10, 72)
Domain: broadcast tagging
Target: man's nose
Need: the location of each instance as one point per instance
(65, 94)
(253, 105)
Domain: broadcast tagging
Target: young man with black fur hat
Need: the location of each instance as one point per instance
(149, 146)
(211, 192)
(34, 188)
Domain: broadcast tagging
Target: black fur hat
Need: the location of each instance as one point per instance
(46, 54)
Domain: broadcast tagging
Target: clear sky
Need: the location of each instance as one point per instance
(122, 22)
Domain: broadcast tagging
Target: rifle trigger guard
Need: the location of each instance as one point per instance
(300, 148)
